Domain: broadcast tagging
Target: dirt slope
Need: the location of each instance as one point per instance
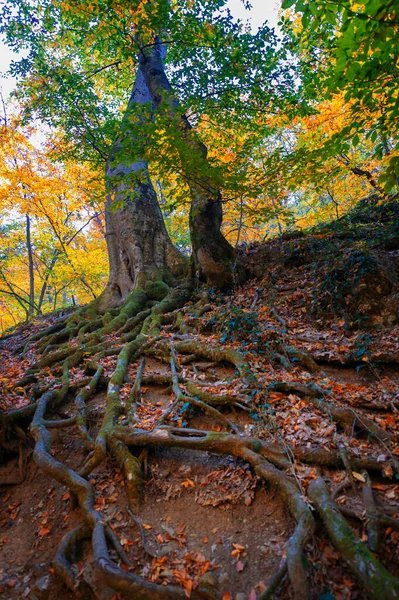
(322, 389)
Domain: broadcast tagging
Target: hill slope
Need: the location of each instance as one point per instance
(226, 446)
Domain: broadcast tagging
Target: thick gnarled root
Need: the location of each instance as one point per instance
(376, 581)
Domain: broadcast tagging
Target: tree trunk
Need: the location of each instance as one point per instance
(31, 270)
(139, 247)
(214, 257)
(49, 270)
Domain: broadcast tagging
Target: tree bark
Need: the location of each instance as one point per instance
(139, 247)
(214, 257)
(31, 270)
(49, 270)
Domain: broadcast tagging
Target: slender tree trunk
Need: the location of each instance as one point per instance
(31, 270)
(49, 270)
(214, 257)
(139, 247)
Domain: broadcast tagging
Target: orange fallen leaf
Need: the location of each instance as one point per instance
(188, 483)
(45, 531)
(239, 547)
(188, 587)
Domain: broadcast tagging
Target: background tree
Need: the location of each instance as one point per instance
(52, 237)
(351, 48)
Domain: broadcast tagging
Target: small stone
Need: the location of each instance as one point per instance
(240, 596)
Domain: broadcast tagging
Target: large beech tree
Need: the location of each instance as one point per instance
(139, 247)
(218, 70)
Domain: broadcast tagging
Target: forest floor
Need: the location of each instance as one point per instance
(207, 515)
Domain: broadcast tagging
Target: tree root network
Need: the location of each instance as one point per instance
(164, 329)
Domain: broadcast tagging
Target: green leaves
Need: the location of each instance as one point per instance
(352, 48)
(287, 4)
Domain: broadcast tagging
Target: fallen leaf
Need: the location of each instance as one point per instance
(358, 476)
(239, 547)
(240, 566)
(188, 587)
(188, 483)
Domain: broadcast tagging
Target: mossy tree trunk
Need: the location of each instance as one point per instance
(214, 257)
(139, 247)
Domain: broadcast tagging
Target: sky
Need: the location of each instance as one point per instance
(262, 10)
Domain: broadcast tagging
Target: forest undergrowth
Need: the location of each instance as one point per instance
(207, 445)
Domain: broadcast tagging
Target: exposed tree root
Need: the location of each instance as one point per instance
(300, 356)
(347, 417)
(180, 397)
(372, 576)
(230, 355)
(164, 327)
(62, 563)
(81, 409)
(275, 582)
(135, 394)
(252, 451)
(372, 526)
(217, 399)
